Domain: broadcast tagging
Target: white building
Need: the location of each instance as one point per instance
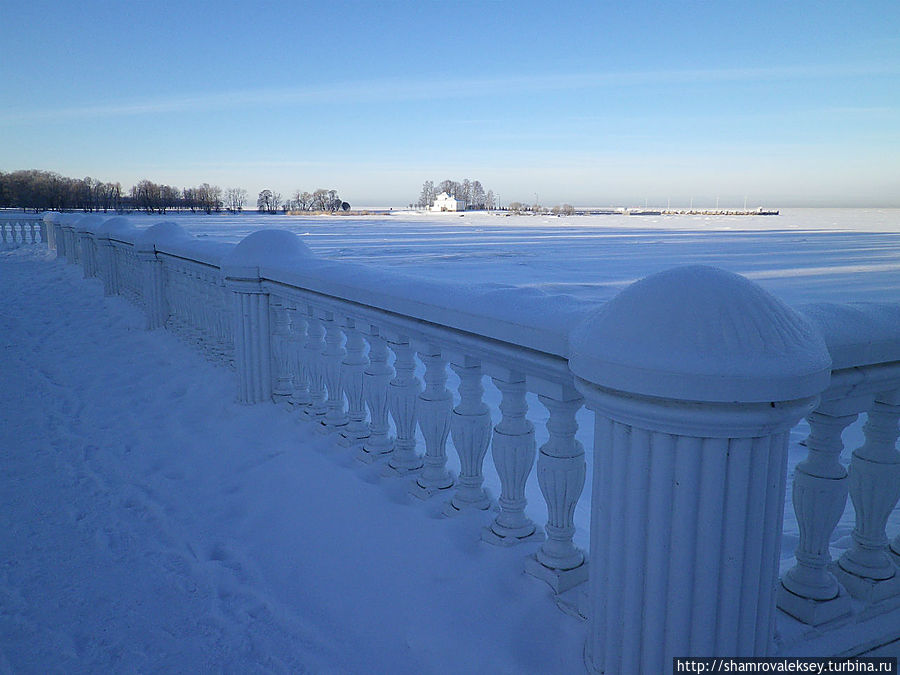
(444, 202)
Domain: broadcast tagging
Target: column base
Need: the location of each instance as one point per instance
(559, 580)
(489, 536)
(369, 456)
(455, 506)
(425, 492)
(867, 590)
(812, 612)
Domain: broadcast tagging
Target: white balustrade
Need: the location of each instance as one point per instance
(470, 428)
(694, 377)
(435, 405)
(353, 373)
(377, 377)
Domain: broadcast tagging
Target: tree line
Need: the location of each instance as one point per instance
(49, 191)
(320, 200)
(470, 192)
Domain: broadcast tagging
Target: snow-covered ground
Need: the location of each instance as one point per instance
(152, 525)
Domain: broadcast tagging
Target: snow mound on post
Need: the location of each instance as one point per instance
(699, 333)
(268, 248)
(160, 234)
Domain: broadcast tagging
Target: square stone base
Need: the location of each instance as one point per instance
(425, 493)
(559, 580)
(812, 612)
(867, 590)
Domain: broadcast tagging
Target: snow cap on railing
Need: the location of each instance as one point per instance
(698, 333)
(90, 223)
(858, 334)
(268, 248)
(160, 234)
(116, 226)
(52, 217)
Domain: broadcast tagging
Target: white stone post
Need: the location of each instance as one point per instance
(470, 428)
(435, 406)
(315, 367)
(353, 368)
(561, 472)
(241, 269)
(300, 392)
(282, 386)
(333, 355)
(513, 451)
(154, 292)
(105, 262)
(695, 376)
(378, 375)
(809, 592)
(403, 396)
(866, 569)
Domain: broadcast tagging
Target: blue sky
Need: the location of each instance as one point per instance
(784, 103)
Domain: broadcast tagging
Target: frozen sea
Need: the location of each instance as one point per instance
(152, 524)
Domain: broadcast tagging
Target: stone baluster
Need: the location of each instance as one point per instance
(695, 376)
(403, 395)
(3, 227)
(378, 375)
(300, 392)
(809, 592)
(513, 451)
(353, 368)
(315, 367)
(282, 386)
(561, 471)
(31, 229)
(866, 569)
(333, 355)
(470, 429)
(435, 406)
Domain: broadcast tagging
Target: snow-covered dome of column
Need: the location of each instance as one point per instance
(699, 333)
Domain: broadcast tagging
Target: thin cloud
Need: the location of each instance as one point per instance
(404, 90)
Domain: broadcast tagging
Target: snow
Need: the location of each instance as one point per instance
(698, 333)
(154, 527)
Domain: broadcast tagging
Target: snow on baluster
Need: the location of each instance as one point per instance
(470, 429)
(866, 569)
(315, 367)
(333, 355)
(403, 396)
(281, 355)
(808, 591)
(300, 391)
(513, 451)
(435, 406)
(561, 471)
(378, 375)
(353, 369)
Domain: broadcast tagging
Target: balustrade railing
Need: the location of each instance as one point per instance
(695, 377)
(19, 229)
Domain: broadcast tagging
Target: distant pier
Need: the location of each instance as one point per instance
(701, 212)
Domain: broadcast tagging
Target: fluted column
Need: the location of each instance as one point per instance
(513, 451)
(470, 428)
(353, 369)
(300, 397)
(435, 406)
(282, 385)
(695, 376)
(251, 331)
(403, 395)
(561, 471)
(866, 569)
(153, 284)
(315, 367)
(378, 375)
(809, 592)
